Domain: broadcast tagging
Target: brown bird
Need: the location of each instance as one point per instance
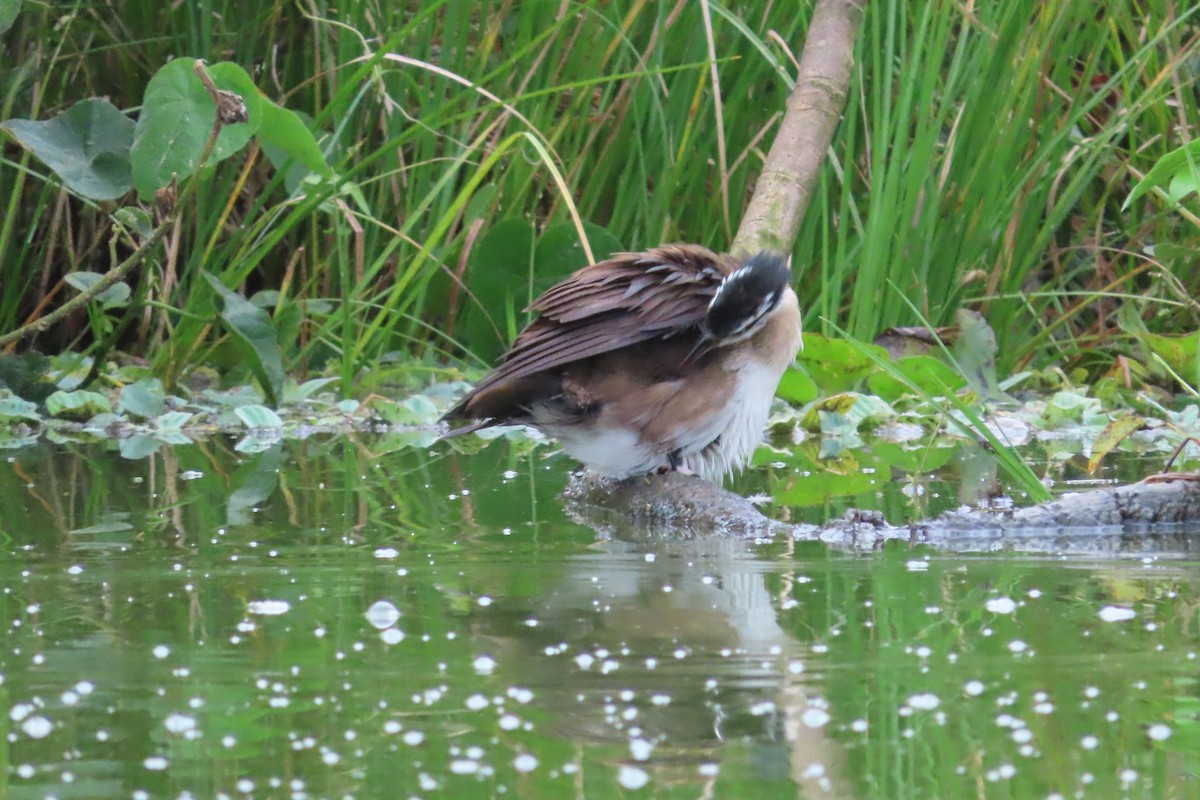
(662, 359)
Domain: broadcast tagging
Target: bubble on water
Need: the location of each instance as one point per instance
(814, 717)
(709, 770)
(924, 702)
(268, 608)
(37, 727)
(483, 665)
(382, 614)
(1017, 646)
(795, 667)
(477, 702)
(179, 723)
(392, 636)
(1089, 742)
(1001, 605)
(1159, 732)
(585, 660)
(427, 782)
(509, 722)
(245, 785)
(632, 777)
(859, 726)
(413, 738)
(20, 711)
(525, 763)
(155, 763)
(1128, 776)
(1117, 614)
(916, 565)
(640, 749)
(161, 651)
(464, 766)
(974, 688)
(762, 708)
(386, 552)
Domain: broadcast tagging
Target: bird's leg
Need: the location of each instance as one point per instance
(675, 458)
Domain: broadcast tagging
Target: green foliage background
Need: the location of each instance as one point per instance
(983, 158)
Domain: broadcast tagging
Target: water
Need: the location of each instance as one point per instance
(352, 618)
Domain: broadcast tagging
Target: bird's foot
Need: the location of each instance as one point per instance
(677, 465)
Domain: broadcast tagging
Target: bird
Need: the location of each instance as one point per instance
(652, 361)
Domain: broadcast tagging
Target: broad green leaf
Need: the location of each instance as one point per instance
(796, 387)
(81, 405)
(8, 13)
(844, 413)
(927, 372)
(87, 146)
(499, 274)
(134, 219)
(254, 336)
(177, 120)
(835, 364)
(1180, 353)
(255, 417)
(142, 399)
(173, 420)
(1117, 431)
(114, 296)
(559, 252)
(286, 138)
(1182, 161)
(415, 410)
(139, 446)
(26, 374)
(14, 409)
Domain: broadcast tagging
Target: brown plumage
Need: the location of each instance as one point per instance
(631, 367)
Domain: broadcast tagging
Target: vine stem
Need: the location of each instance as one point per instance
(229, 109)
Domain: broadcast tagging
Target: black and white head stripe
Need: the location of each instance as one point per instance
(747, 296)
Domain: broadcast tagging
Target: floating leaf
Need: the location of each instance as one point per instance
(254, 336)
(844, 413)
(1117, 431)
(928, 373)
(81, 405)
(258, 417)
(114, 296)
(137, 447)
(14, 409)
(87, 146)
(796, 387)
(835, 364)
(177, 119)
(142, 399)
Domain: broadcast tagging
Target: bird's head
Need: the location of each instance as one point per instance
(746, 298)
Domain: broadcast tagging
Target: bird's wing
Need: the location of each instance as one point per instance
(630, 298)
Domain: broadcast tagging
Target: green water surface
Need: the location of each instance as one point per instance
(335, 619)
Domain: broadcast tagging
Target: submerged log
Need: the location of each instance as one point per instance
(1158, 514)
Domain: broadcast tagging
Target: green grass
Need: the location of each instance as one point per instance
(982, 160)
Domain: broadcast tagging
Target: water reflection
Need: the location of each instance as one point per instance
(336, 619)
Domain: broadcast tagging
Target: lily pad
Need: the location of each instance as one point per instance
(835, 364)
(79, 405)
